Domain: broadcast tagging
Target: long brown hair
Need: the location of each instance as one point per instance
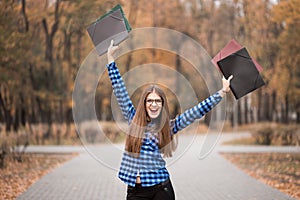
(166, 141)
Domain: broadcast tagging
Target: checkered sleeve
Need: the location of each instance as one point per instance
(120, 92)
(197, 112)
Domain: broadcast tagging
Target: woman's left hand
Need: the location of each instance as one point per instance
(226, 83)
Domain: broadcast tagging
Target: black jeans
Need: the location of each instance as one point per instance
(162, 191)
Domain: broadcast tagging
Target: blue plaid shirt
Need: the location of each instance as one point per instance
(150, 165)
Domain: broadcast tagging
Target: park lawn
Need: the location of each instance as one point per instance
(279, 170)
(16, 177)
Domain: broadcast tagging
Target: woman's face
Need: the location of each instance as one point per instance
(153, 105)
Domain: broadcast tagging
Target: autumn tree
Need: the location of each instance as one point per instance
(286, 79)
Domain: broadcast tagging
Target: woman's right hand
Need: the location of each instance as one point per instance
(111, 51)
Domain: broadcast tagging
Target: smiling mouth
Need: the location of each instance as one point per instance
(153, 110)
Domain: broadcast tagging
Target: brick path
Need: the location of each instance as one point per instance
(212, 177)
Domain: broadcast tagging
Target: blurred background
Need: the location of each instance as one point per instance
(44, 42)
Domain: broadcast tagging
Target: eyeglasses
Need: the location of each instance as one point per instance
(151, 101)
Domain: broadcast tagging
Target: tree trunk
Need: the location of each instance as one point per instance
(286, 113)
(16, 120)
(49, 43)
(177, 84)
(26, 22)
(239, 111)
(6, 111)
(234, 115)
(267, 115)
(260, 109)
(67, 45)
(273, 107)
(246, 110)
(49, 58)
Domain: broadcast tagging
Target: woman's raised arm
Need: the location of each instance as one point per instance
(118, 85)
(198, 111)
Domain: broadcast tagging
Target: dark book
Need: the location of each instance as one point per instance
(246, 77)
(111, 26)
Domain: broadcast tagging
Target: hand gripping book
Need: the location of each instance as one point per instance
(111, 26)
(246, 77)
(231, 47)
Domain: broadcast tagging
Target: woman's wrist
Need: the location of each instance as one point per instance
(223, 92)
(110, 59)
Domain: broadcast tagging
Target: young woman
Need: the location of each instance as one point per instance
(151, 135)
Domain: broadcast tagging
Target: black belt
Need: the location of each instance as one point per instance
(139, 185)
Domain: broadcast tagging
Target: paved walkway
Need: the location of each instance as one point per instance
(93, 174)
